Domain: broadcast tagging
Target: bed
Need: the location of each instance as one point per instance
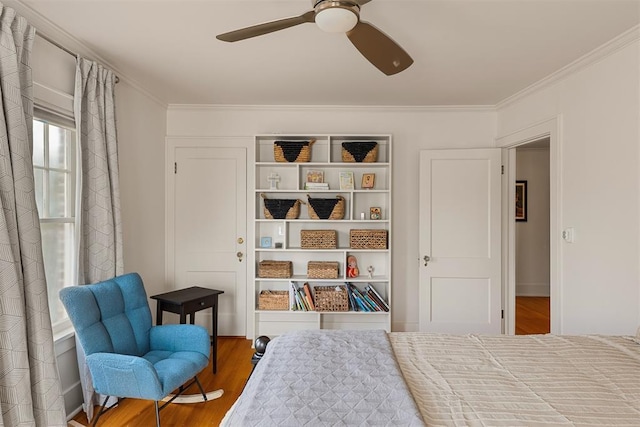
(358, 378)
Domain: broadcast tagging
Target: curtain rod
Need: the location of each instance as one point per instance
(70, 52)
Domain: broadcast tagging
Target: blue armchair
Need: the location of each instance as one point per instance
(126, 355)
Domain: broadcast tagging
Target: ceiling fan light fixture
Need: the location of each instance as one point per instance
(336, 19)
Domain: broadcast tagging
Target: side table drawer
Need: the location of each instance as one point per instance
(199, 304)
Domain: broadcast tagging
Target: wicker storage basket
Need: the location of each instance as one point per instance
(360, 152)
(275, 269)
(273, 300)
(281, 208)
(368, 239)
(331, 298)
(292, 151)
(318, 239)
(326, 208)
(322, 269)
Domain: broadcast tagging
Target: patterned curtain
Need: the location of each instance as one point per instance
(100, 245)
(30, 389)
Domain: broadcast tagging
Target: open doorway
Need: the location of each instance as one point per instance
(532, 238)
(547, 129)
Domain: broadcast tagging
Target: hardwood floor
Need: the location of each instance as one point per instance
(532, 315)
(234, 367)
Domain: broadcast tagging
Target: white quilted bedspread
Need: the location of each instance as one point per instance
(536, 380)
(326, 378)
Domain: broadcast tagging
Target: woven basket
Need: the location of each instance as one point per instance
(360, 152)
(322, 270)
(273, 300)
(281, 208)
(275, 269)
(318, 239)
(326, 208)
(292, 151)
(368, 239)
(330, 299)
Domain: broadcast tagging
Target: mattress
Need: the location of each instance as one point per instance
(522, 380)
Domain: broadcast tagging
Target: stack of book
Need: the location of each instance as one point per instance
(301, 299)
(367, 300)
(316, 186)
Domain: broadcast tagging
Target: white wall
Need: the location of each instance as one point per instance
(141, 124)
(598, 109)
(413, 129)
(532, 236)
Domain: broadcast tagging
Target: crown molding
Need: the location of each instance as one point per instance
(346, 108)
(609, 48)
(50, 30)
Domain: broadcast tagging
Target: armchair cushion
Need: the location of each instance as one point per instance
(180, 338)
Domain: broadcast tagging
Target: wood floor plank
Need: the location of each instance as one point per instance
(533, 315)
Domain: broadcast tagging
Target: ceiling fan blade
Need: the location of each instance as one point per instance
(379, 49)
(362, 2)
(267, 27)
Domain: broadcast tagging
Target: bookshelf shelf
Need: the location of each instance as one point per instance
(281, 239)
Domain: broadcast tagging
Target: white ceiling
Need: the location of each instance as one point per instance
(466, 52)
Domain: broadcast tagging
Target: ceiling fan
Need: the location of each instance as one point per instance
(339, 16)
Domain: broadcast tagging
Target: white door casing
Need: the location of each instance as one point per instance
(207, 228)
(549, 128)
(460, 231)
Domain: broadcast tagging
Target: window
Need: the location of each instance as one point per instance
(54, 167)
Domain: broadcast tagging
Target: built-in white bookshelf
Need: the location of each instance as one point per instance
(280, 239)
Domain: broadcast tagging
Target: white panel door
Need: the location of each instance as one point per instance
(460, 285)
(210, 230)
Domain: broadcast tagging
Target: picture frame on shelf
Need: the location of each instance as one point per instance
(315, 176)
(375, 213)
(265, 242)
(346, 181)
(368, 180)
(521, 201)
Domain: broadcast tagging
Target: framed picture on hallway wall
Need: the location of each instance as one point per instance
(521, 200)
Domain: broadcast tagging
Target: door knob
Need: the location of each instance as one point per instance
(426, 260)
(239, 255)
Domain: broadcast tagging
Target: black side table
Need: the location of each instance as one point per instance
(188, 301)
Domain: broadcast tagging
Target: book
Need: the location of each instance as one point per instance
(316, 186)
(301, 304)
(360, 303)
(292, 298)
(379, 303)
(372, 291)
(309, 296)
(346, 181)
(352, 301)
